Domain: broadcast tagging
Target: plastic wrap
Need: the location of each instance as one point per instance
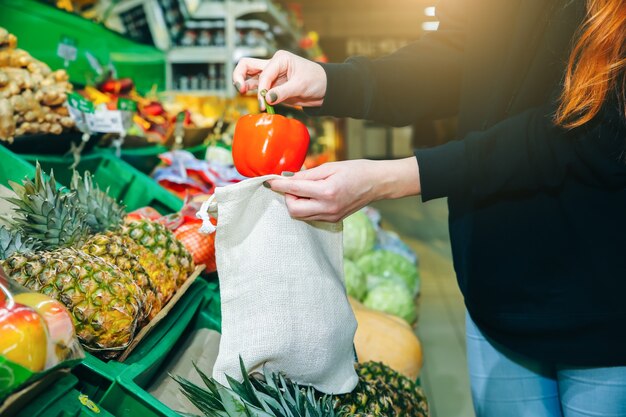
(36, 336)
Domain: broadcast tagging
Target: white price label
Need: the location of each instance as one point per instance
(113, 121)
(67, 52)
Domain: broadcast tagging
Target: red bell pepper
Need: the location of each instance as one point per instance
(269, 143)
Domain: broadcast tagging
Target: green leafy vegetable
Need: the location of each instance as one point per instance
(355, 279)
(359, 235)
(392, 298)
(390, 265)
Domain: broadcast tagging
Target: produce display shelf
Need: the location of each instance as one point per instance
(98, 378)
(146, 158)
(124, 183)
(130, 396)
(55, 398)
(13, 167)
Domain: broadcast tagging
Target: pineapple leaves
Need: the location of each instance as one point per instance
(233, 404)
(269, 395)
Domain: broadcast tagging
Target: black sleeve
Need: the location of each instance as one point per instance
(527, 152)
(420, 81)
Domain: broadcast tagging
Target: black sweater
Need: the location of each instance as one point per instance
(537, 213)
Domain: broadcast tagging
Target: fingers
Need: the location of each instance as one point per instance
(251, 84)
(314, 174)
(299, 188)
(246, 68)
(281, 93)
(310, 209)
(301, 208)
(275, 67)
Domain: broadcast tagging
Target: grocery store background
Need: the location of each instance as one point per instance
(162, 51)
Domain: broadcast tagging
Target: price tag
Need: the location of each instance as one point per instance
(126, 104)
(67, 50)
(108, 121)
(80, 103)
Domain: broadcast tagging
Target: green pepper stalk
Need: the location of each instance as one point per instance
(268, 107)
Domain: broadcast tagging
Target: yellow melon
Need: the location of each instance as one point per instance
(384, 338)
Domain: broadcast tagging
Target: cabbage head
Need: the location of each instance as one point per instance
(355, 279)
(359, 235)
(390, 265)
(394, 299)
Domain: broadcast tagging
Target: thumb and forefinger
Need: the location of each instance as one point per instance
(246, 68)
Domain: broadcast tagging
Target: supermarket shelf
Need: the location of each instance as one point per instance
(199, 93)
(254, 52)
(197, 54)
(209, 10)
(215, 54)
(239, 9)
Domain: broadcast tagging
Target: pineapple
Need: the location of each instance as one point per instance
(46, 214)
(118, 250)
(383, 392)
(104, 301)
(166, 261)
(161, 242)
(11, 243)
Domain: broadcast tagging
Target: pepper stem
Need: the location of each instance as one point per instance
(268, 107)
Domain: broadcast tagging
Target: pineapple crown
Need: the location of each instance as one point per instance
(47, 214)
(270, 396)
(13, 242)
(102, 212)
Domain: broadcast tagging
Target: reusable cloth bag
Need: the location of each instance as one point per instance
(284, 305)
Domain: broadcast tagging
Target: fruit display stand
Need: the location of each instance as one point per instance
(54, 397)
(124, 183)
(120, 387)
(146, 158)
(65, 40)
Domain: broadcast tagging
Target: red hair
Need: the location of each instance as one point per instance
(596, 65)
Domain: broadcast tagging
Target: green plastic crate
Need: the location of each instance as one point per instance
(13, 167)
(40, 29)
(145, 159)
(125, 183)
(132, 398)
(100, 379)
(62, 399)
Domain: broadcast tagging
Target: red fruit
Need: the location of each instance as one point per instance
(59, 321)
(123, 85)
(201, 246)
(23, 337)
(153, 109)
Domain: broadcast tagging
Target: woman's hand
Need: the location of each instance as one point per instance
(335, 190)
(287, 78)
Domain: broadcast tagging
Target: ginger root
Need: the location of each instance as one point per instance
(38, 67)
(61, 111)
(21, 77)
(7, 121)
(53, 95)
(66, 122)
(31, 94)
(9, 90)
(7, 40)
(16, 58)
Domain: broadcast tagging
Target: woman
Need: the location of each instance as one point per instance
(535, 185)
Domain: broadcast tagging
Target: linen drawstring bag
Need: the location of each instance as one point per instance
(284, 305)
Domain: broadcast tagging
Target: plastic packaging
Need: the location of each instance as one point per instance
(36, 336)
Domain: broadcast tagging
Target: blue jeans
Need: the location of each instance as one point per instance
(506, 384)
